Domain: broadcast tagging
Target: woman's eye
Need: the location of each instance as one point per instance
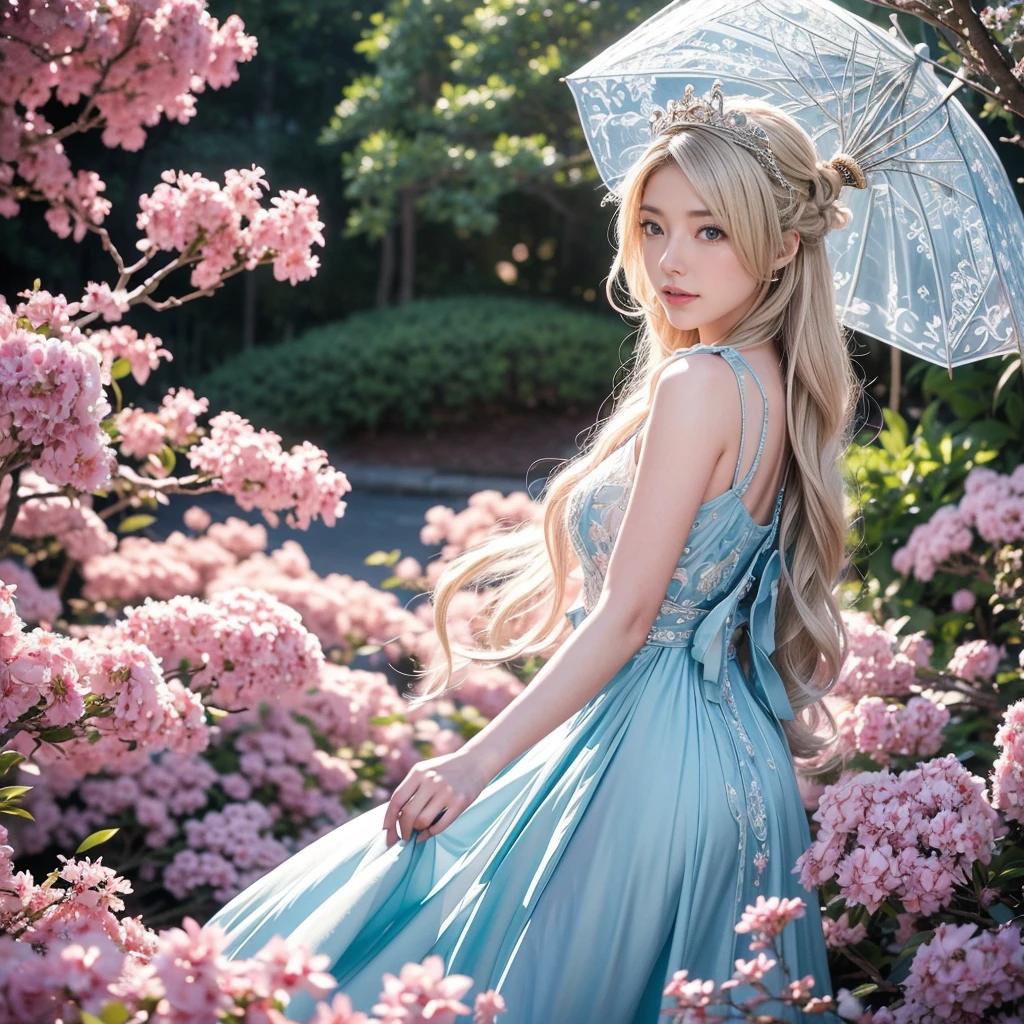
(717, 235)
(645, 224)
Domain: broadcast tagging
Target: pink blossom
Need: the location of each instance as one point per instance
(975, 660)
(913, 836)
(933, 543)
(70, 521)
(142, 433)
(1008, 770)
(423, 993)
(487, 1007)
(244, 644)
(881, 729)
(197, 518)
(875, 666)
(131, 65)
(766, 918)
(963, 600)
(51, 405)
(339, 1011)
(123, 342)
(252, 467)
(99, 298)
(35, 603)
(959, 977)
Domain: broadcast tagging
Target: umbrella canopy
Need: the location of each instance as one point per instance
(933, 260)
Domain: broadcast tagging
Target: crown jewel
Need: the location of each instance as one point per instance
(709, 113)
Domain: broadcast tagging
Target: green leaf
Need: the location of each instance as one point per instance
(120, 368)
(13, 792)
(8, 759)
(1000, 913)
(167, 458)
(17, 812)
(91, 1018)
(864, 990)
(383, 557)
(96, 838)
(136, 522)
(115, 1013)
(60, 734)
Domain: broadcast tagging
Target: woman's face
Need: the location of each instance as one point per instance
(685, 250)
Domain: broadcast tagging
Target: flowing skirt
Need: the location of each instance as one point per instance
(621, 848)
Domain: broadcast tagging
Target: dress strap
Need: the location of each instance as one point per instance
(730, 354)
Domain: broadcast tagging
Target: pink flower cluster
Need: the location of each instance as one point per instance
(55, 674)
(179, 565)
(71, 521)
(993, 504)
(875, 665)
(35, 603)
(244, 645)
(306, 790)
(64, 946)
(486, 512)
(230, 226)
(881, 729)
(175, 423)
(343, 612)
(123, 342)
(840, 932)
(129, 63)
(958, 977)
(912, 836)
(1008, 770)
(766, 918)
(252, 467)
(975, 660)
(51, 405)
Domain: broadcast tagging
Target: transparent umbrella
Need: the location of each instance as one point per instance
(933, 261)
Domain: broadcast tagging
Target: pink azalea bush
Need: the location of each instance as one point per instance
(915, 836)
(65, 950)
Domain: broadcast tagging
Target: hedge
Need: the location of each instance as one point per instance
(430, 361)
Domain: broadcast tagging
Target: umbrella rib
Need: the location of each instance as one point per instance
(938, 181)
(814, 99)
(855, 277)
(873, 114)
(861, 126)
(877, 159)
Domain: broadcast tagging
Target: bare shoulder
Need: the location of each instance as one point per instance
(701, 386)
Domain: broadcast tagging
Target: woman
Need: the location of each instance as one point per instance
(610, 825)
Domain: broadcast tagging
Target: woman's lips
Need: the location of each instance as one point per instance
(675, 299)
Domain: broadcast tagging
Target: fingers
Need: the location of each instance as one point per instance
(402, 793)
(430, 812)
(449, 815)
(412, 809)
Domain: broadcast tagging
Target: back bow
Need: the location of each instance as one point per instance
(711, 638)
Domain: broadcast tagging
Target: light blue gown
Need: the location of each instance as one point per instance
(620, 848)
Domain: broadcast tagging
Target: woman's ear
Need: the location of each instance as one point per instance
(790, 245)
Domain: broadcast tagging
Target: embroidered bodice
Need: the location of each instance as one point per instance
(726, 554)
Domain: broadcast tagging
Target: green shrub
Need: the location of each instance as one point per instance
(431, 361)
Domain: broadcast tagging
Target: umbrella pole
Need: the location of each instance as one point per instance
(894, 378)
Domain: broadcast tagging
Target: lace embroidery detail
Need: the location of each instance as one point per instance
(714, 574)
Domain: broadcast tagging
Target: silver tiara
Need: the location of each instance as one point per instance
(741, 129)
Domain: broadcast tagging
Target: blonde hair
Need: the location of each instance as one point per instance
(526, 567)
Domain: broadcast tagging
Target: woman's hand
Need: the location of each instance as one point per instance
(434, 793)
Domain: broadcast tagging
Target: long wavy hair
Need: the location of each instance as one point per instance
(521, 571)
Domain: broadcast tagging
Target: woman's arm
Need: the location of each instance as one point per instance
(684, 439)
(685, 436)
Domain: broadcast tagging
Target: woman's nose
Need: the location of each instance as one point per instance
(673, 260)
